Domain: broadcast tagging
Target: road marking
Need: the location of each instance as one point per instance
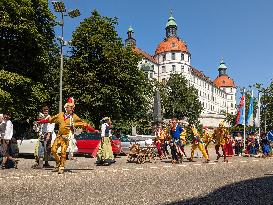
(243, 161)
(211, 163)
(139, 167)
(197, 164)
(182, 165)
(45, 175)
(229, 162)
(112, 170)
(16, 177)
(124, 169)
(255, 160)
(29, 176)
(166, 166)
(153, 167)
(101, 170)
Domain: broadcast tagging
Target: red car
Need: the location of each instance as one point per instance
(88, 142)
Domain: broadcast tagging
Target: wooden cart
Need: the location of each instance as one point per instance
(141, 154)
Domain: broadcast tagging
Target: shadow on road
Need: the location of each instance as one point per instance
(255, 191)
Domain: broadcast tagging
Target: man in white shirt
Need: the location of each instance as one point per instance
(44, 145)
(2, 127)
(7, 140)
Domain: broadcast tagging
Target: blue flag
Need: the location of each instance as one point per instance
(250, 110)
(270, 135)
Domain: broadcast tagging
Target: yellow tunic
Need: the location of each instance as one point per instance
(62, 139)
(207, 137)
(183, 136)
(64, 124)
(220, 135)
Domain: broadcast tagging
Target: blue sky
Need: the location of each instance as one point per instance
(240, 31)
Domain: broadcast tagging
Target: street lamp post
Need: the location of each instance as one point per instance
(157, 103)
(59, 7)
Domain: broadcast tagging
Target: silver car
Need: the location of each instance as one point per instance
(128, 140)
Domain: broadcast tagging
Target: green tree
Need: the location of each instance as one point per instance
(26, 37)
(20, 95)
(102, 74)
(267, 107)
(180, 100)
(27, 55)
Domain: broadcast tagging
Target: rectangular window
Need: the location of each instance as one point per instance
(151, 75)
(173, 68)
(182, 68)
(163, 69)
(164, 57)
(182, 56)
(173, 56)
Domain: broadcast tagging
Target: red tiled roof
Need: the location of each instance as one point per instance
(224, 81)
(200, 75)
(171, 44)
(144, 54)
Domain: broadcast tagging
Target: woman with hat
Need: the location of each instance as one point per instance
(67, 122)
(105, 154)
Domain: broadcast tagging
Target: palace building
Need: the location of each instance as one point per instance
(172, 55)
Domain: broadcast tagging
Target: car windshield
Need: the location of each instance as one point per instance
(29, 135)
(88, 136)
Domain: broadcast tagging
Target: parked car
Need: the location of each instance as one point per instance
(128, 140)
(88, 142)
(29, 140)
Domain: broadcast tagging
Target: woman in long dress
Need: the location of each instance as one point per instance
(105, 154)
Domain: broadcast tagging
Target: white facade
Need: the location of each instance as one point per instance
(216, 100)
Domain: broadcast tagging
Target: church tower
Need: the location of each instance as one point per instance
(130, 41)
(171, 27)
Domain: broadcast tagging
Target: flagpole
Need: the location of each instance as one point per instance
(244, 119)
(259, 114)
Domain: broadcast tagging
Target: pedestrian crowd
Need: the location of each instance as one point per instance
(170, 141)
(175, 135)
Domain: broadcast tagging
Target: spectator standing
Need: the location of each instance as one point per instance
(43, 148)
(239, 145)
(6, 142)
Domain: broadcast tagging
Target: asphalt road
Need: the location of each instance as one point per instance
(241, 181)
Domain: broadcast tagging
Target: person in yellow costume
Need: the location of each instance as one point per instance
(183, 141)
(166, 141)
(207, 138)
(197, 143)
(220, 135)
(67, 122)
